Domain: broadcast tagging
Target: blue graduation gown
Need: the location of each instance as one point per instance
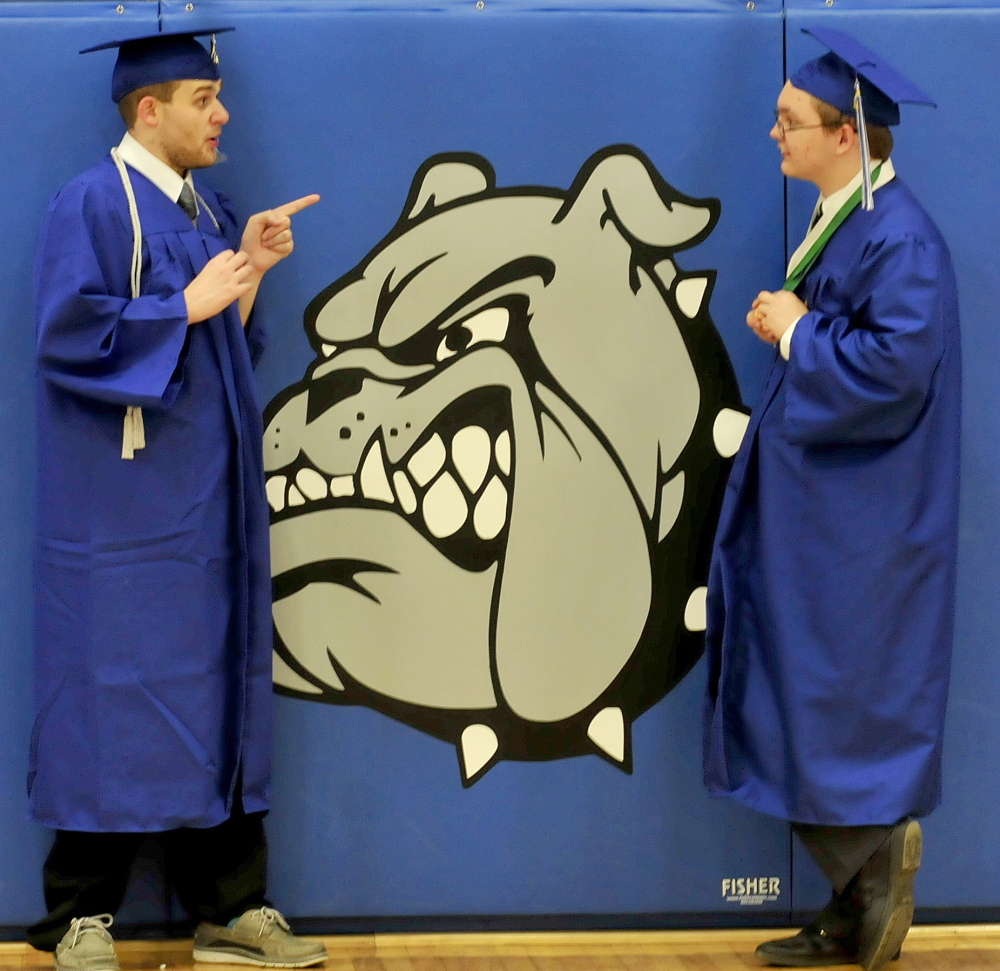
(152, 579)
(831, 590)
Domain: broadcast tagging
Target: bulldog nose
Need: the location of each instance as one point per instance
(331, 389)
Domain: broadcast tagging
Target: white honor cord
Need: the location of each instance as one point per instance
(133, 431)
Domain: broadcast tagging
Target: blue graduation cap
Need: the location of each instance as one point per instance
(159, 57)
(859, 84)
(831, 79)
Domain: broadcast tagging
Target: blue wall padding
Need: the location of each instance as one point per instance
(369, 817)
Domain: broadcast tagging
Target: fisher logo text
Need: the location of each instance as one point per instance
(749, 891)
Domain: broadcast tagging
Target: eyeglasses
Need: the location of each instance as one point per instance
(783, 129)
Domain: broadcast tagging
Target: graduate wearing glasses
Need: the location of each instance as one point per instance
(832, 587)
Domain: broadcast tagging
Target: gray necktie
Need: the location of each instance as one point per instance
(188, 203)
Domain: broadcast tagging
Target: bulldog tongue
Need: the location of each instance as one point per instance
(575, 589)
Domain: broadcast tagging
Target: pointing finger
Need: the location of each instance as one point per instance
(297, 205)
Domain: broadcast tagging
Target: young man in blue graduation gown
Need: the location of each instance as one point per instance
(831, 594)
(153, 622)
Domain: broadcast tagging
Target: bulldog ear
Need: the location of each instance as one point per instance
(621, 184)
(445, 178)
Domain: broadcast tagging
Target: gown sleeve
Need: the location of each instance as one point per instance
(864, 376)
(91, 338)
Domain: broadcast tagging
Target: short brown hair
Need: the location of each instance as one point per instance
(128, 107)
(879, 138)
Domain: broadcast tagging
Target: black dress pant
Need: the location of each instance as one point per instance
(841, 851)
(217, 873)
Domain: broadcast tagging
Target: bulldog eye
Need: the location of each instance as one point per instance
(452, 342)
(488, 325)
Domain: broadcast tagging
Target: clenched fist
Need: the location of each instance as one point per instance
(771, 314)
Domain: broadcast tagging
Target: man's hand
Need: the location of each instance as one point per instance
(225, 278)
(771, 314)
(267, 238)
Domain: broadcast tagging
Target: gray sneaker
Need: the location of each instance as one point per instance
(87, 946)
(261, 937)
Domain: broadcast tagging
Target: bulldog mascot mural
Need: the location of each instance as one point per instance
(494, 490)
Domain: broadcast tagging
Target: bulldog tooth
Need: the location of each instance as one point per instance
(607, 732)
(311, 484)
(490, 513)
(689, 294)
(328, 350)
(470, 451)
(404, 492)
(275, 489)
(444, 508)
(374, 482)
(696, 610)
(502, 449)
(295, 497)
(728, 430)
(426, 462)
(479, 745)
(342, 485)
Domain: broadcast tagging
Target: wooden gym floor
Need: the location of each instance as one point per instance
(974, 947)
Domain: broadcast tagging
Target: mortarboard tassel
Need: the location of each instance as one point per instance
(867, 193)
(213, 53)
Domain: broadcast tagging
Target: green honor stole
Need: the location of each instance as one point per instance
(796, 274)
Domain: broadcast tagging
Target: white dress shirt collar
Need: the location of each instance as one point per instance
(835, 200)
(829, 206)
(157, 171)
